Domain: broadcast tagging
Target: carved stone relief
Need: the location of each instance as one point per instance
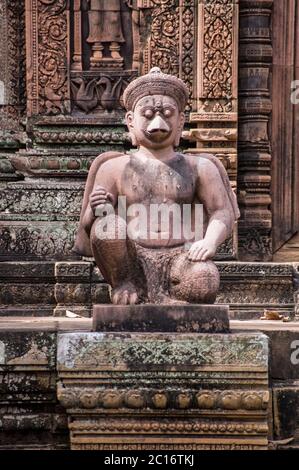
(12, 71)
(195, 392)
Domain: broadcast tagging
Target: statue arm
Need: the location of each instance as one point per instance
(213, 195)
(104, 191)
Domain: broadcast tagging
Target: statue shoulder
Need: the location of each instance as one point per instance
(105, 158)
(204, 161)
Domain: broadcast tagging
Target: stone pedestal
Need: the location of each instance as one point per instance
(164, 391)
(163, 318)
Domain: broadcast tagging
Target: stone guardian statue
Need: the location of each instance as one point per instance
(153, 261)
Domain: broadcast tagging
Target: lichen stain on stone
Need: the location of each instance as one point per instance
(72, 347)
(35, 356)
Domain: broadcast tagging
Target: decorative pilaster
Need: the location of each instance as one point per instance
(254, 169)
(214, 112)
(48, 57)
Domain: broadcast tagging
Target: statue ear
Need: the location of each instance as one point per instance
(129, 121)
(180, 130)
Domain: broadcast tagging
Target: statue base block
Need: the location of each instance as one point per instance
(164, 391)
(165, 318)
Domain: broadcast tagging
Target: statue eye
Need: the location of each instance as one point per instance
(167, 112)
(148, 113)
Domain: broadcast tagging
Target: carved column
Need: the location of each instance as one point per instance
(254, 169)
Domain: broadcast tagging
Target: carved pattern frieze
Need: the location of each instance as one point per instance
(37, 239)
(41, 201)
(182, 426)
(164, 447)
(277, 293)
(181, 350)
(84, 136)
(12, 294)
(90, 398)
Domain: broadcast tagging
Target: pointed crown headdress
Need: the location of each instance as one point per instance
(156, 83)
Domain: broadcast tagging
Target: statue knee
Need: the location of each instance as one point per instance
(108, 229)
(196, 282)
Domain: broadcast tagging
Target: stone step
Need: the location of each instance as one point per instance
(41, 288)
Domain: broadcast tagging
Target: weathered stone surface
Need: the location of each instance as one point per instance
(164, 318)
(162, 390)
(249, 288)
(284, 354)
(78, 286)
(29, 200)
(40, 423)
(27, 288)
(30, 416)
(22, 349)
(94, 350)
(286, 410)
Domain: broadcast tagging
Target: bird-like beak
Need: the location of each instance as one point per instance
(158, 129)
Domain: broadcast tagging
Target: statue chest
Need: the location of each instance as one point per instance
(158, 183)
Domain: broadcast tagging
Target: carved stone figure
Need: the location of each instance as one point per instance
(152, 262)
(105, 27)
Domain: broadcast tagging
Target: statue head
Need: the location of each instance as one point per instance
(155, 106)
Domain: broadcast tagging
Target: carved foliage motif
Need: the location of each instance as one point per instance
(258, 293)
(217, 51)
(48, 56)
(165, 36)
(171, 45)
(53, 56)
(12, 51)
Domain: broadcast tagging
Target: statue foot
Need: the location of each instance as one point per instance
(126, 294)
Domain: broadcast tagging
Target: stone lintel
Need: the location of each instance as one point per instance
(164, 318)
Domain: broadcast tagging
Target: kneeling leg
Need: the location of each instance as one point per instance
(194, 282)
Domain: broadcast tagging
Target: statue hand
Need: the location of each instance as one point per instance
(202, 251)
(98, 197)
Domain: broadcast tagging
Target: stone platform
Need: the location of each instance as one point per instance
(31, 417)
(163, 318)
(167, 389)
